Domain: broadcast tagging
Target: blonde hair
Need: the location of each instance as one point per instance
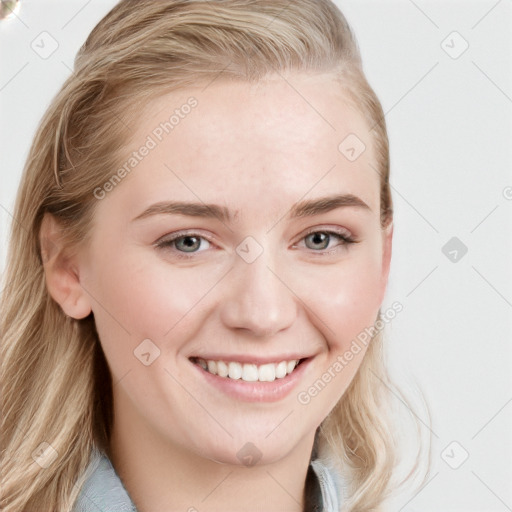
(57, 388)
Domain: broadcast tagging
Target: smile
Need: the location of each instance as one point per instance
(246, 371)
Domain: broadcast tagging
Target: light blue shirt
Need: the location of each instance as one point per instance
(103, 490)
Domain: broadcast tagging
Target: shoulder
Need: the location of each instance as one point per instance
(102, 490)
(332, 485)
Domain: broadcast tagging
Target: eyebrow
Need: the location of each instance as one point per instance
(301, 209)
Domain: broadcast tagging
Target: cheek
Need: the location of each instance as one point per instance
(346, 299)
(146, 297)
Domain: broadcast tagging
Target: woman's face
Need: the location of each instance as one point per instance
(266, 275)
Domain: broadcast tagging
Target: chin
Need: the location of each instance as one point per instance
(241, 451)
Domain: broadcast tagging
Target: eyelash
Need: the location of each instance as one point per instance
(167, 243)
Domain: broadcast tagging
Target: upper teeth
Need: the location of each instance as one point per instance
(249, 372)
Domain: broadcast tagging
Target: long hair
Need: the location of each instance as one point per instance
(57, 388)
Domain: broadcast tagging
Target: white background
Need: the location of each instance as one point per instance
(450, 126)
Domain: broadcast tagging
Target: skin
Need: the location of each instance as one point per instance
(256, 149)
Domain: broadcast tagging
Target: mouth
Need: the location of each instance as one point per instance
(248, 372)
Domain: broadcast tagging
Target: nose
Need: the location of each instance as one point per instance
(258, 299)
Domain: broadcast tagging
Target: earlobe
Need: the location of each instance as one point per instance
(62, 277)
(387, 247)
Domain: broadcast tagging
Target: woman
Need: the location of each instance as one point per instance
(204, 238)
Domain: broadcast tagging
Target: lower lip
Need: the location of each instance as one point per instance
(256, 391)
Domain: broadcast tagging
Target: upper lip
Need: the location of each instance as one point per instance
(248, 359)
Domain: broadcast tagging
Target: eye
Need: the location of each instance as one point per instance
(185, 245)
(182, 244)
(320, 240)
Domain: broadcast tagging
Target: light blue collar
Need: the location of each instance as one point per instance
(103, 490)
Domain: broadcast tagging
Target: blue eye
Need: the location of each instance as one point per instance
(189, 243)
(186, 245)
(320, 237)
(182, 244)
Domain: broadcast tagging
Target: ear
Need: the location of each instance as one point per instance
(387, 246)
(62, 277)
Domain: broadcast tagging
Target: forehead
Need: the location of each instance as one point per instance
(236, 142)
